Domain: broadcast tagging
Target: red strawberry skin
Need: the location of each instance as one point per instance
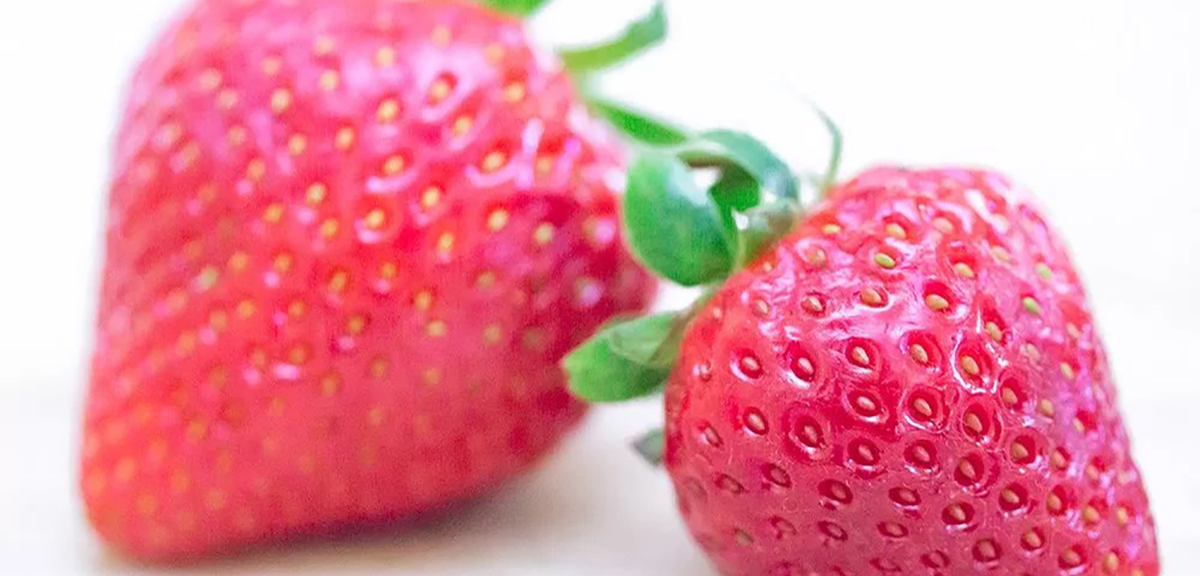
(911, 383)
(347, 244)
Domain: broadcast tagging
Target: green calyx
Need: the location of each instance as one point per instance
(694, 235)
(835, 149)
(691, 233)
(638, 126)
(584, 62)
(651, 445)
(626, 359)
(698, 207)
(640, 35)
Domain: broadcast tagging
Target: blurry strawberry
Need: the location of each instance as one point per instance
(909, 383)
(347, 243)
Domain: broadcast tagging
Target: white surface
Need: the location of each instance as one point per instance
(1095, 105)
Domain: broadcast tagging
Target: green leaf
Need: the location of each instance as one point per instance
(651, 340)
(636, 124)
(518, 8)
(645, 33)
(736, 190)
(726, 148)
(625, 360)
(651, 445)
(674, 226)
(765, 225)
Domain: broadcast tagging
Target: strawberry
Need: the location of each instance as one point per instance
(909, 382)
(347, 244)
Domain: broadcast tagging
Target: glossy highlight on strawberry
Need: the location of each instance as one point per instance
(909, 383)
(347, 244)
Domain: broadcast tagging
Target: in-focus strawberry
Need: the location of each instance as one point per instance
(909, 382)
(347, 244)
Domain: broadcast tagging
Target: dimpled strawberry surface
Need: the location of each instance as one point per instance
(347, 244)
(910, 383)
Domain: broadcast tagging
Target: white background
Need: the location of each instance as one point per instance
(1095, 105)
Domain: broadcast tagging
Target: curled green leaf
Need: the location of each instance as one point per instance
(673, 225)
(731, 149)
(625, 360)
(645, 33)
(736, 190)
